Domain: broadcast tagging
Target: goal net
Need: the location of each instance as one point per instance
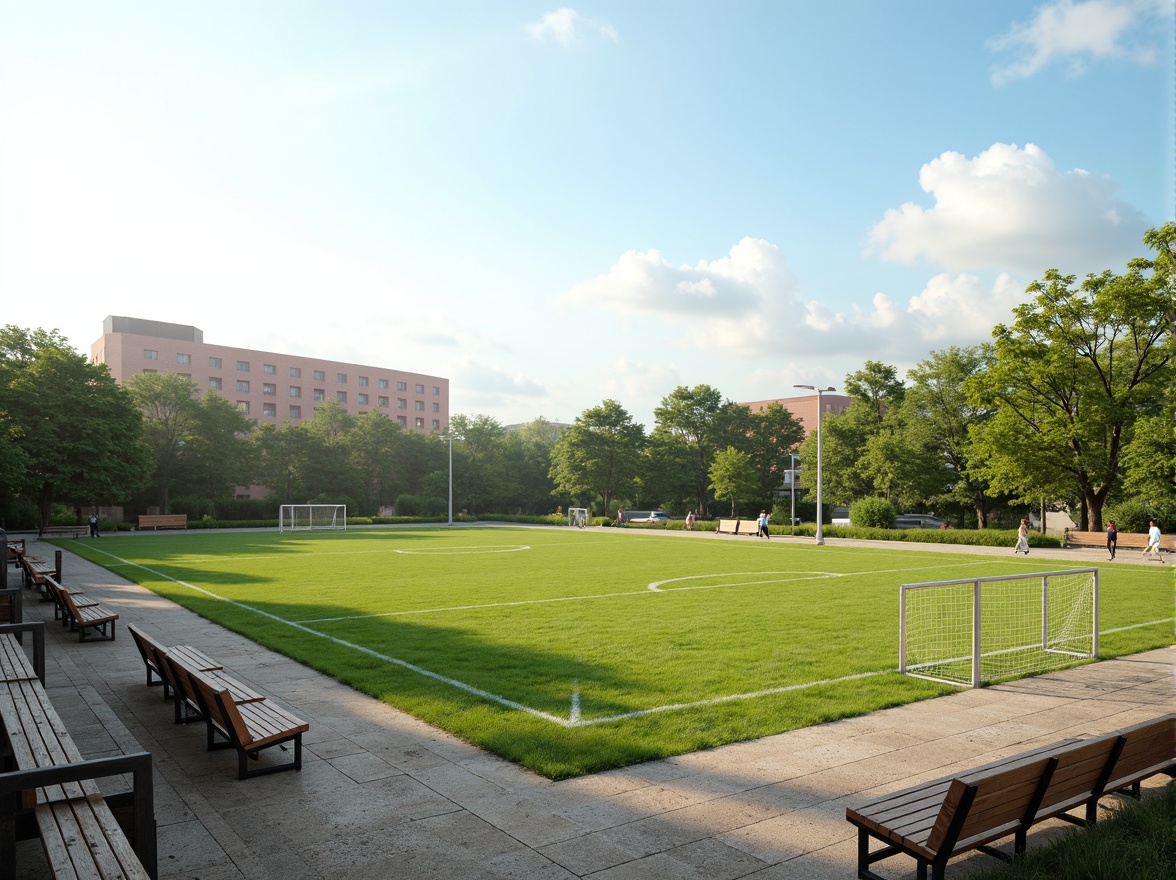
(978, 630)
(295, 517)
(578, 517)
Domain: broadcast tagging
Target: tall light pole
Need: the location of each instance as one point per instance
(820, 414)
(792, 492)
(449, 437)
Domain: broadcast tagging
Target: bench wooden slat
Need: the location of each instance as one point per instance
(941, 818)
(87, 617)
(15, 664)
(163, 521)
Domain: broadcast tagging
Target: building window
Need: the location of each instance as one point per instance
(383, 401)
(341, 378)
(418, 405)
(363, 382)
(401, 403)
(243, 406)
(242, 366)
(269, 388)
(151, 371)
(320, 375)
(295, 411)
(420, 389)
(296, 372)
(383, 384)
(420, 423)
(401, 386)
(269, 409)
(436, 424)
(402, 421)
(436, 407)
(270, 369)
(436, 390)
(243, 386)
(150, 354)
(319, 394)
(214, 363)
(215, 383)
(341, 396)
(183, 358)
(295, 390)
(362, 399)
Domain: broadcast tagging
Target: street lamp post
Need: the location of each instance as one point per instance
(449, 437)
(792, 492)
(820, 414)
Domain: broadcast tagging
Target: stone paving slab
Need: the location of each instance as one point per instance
(384, 795)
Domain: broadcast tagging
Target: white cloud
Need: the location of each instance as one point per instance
(1010, 209)
(748, 306)
(566, 26)
(1072, 33)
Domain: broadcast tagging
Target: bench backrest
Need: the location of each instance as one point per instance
(985, 806)
(1149, 747)
(148, 647)
(218, 706)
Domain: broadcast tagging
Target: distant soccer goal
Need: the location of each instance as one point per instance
(972, 631)
(578, 517)
(302, 517)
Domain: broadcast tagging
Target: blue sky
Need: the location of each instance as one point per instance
(554, 205)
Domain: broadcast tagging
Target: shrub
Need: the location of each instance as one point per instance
(1131, 516)
(877, 513)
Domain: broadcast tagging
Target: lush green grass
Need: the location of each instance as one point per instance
(1138, 842)
(502, 634)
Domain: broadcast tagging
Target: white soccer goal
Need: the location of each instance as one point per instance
(976, 630)
(300, 517)
(578, 517)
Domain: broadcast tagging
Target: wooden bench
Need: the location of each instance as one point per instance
(63, 531)
(163, 521)
(1126, 540)
(16, 550)
(82, 615)
(737, 527)
(154, 654)
(57, 591)
(247, 726)
(37, 569)
(179, 663)
(47, 784)
(11, 605)
(15, 663)
(938, 820)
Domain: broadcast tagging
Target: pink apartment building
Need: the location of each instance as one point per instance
(267, 386)
(804, 408)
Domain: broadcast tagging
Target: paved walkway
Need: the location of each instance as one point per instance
(383, 795)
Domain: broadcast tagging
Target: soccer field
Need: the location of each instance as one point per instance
(571, 651)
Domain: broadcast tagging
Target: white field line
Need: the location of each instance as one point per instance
(462, 551)
(574, 719)
(470, 689)
(1119, 629)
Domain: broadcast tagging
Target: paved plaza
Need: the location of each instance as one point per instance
(384, 796)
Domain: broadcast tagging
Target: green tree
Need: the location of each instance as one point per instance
(373, 453)
(600, 454)
(479, 478)
(774, 434)
(1149, 461)
(939, 409)
(527, 459)
(1071, 375)
(169, 417)
(78, 433)
(218, 454)
(732, 475)
(689, 418)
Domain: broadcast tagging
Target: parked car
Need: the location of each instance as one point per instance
(918, 521)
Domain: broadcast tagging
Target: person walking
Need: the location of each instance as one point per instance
(762, 525)
(1153, 541)
(1022, 545)
(690, 520)
(1112, 539)
(620, 517)
(94, 526)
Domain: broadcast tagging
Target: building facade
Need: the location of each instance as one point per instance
(266, 386)
(804, 408)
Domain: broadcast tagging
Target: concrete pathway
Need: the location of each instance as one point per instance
(383, 795)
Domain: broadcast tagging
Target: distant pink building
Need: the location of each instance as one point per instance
(804, 408)
(267, 386)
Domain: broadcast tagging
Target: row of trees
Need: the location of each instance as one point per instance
(1071, 404)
